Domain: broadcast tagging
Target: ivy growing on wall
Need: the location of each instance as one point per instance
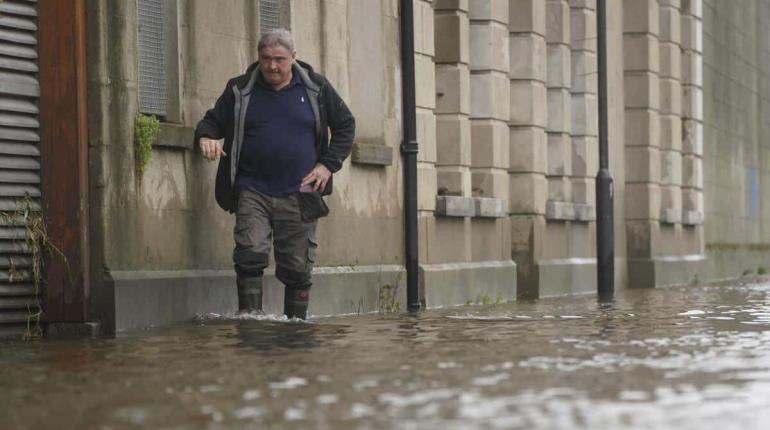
(146, 128)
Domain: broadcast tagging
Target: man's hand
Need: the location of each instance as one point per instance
(319, 176)
(211, 148)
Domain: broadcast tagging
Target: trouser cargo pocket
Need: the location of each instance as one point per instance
(312, 206)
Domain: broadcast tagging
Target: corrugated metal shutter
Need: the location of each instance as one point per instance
(152, 57)
(19, 158)
(269, 15)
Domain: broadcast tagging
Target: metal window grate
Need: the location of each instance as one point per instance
(269, 15)
(152, 57)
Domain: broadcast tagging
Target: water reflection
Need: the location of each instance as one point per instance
(675, 358)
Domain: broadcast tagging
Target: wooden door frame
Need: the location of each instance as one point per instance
(64, 157)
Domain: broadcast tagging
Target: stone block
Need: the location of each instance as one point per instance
(584, 4)
(451, 37)
(371, 154)
(559, 110)
(557, 22)
(670, 24)
(559, 154)
(584, 190)
(426, 135)
(670, 216)
(692, 33)
(559, 189)
(490, 207)
(528, 192)
(527, 16)
(528, 104)
(426, 187)
(641, 16)
(527, 56)
(559, 66)
(451, 5)
(582, 29)
(585, 118)
(453, 87)
(671, 198)
(670, 97)
(489, 95)
(692, 137)
(692, 68)
(528, 150)
(670, 167)
(453, 144)
(692, 199)
(671, 132)
(425, 82)
(692, 171)
(670, 61)
(692, 217)
(642, 201)
(489, 144)
(692, 7)
(489, 10)
(692, 102)
(585, 158)
(489, 46)
(453, 181)
(642, 127)
(491, 183)
(584, 69)
(641, 90)
(453, 206)
(559, 211)
(642, 164)
(423, 28)
(641, 52)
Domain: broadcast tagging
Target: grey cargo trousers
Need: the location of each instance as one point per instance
(261, 219)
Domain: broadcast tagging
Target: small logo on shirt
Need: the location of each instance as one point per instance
(302, 99)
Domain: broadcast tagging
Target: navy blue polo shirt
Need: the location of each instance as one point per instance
(279, 139)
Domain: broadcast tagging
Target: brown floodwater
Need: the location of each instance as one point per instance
(677, 358)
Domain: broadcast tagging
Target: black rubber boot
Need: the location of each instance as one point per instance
(295, 301)
(250, 294)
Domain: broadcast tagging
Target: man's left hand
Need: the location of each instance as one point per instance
(319, 176)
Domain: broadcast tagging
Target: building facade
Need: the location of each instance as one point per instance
(507, 122)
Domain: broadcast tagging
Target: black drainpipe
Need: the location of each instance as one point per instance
(605, 241)
(409, 150)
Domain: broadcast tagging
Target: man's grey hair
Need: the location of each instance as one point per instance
(277, 36)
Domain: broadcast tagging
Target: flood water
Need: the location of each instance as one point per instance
(678, 358)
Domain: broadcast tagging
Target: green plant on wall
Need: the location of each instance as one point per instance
(146, 128)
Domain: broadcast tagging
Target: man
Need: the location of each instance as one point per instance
(270, 131)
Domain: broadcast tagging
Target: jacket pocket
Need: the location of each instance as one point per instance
(312, 206)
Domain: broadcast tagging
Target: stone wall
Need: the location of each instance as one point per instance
(736, 82)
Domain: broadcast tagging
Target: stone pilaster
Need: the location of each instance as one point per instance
(670, 111)
(528, 142)
(559, 101)
(585, 156)
(453, 87)
(692, 111)
(641, 53)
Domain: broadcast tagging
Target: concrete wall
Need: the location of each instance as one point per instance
(736, 80)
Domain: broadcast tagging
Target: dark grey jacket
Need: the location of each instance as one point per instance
(226, 120)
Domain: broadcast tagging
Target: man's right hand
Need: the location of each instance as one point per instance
(212, 148)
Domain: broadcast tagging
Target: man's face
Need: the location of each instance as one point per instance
(275, 64)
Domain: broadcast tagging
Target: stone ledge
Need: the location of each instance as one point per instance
(175, 136)
(452, 284)
(670, 216)
(664, 271)
(487, 207)
(566, 277)
(568, 211)
(371, 154)
(692, 217)
(455, 206)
